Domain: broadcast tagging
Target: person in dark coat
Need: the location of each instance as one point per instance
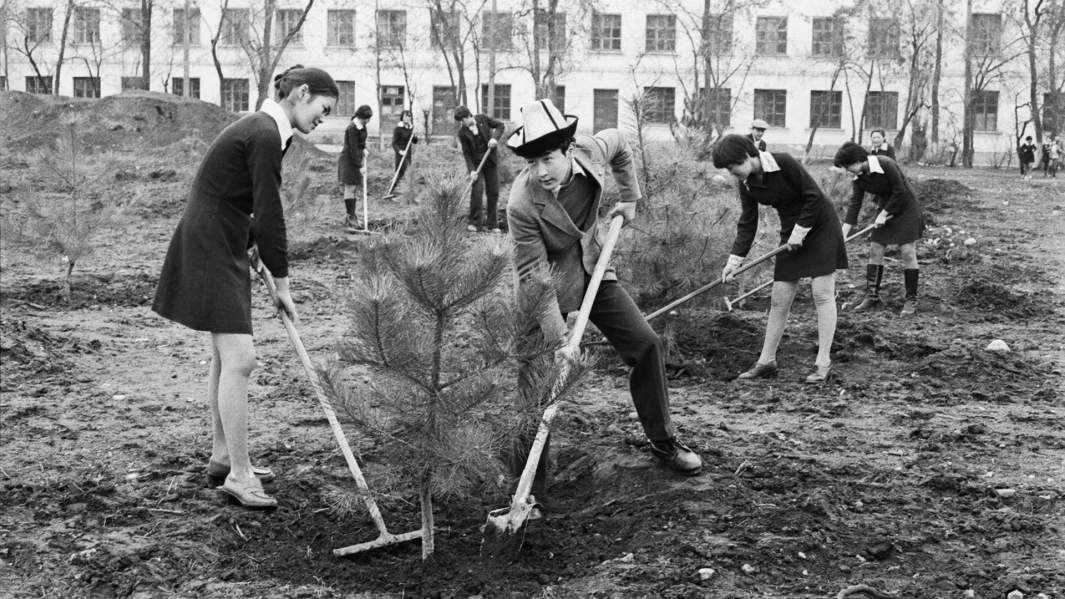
(809, 227)
(351, 166)
(403, 140)
(879, 145)
(1026, 154)
(478, 135)
(898, 221)
(758, 127)
(205, 282)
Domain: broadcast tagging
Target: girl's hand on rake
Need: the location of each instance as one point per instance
(283, 301)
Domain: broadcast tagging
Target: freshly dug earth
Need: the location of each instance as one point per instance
(929, 466)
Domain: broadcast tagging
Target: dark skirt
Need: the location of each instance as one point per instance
(347, 172)
(205, 283)
(822, 252)
(904, 227)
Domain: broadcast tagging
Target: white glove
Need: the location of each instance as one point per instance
(473, 175)
(798, 234)
(492, 143)
(402, 152)
(882, 218)
(847, 230)
(731, 266)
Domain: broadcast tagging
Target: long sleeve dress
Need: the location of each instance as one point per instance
(883, 178)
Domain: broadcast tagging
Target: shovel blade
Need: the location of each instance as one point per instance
(383, 540)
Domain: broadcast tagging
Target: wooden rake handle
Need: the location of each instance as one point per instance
(395, 176)
(323, 401)
(477, 173)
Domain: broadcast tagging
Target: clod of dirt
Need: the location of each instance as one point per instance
(937, 195)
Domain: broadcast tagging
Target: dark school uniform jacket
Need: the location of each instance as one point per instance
(884, 149)
(474, 146)
(760, 144)
(786, 186)
(883, 178)
(400, 136)
(351, 155)
(1027, 153)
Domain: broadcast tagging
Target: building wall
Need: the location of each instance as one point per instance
(628, 70)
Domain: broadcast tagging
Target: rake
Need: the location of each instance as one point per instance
(383, 537)
(399, 167)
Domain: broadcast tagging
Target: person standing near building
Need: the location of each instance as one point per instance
(879, 145)
(479, 135)
(1026, 154)
(809, 227)
(758, 127)
(1055, 152)
(898, 221)
(351, 166)
(553, 218)
(401, 135)
(205, 283)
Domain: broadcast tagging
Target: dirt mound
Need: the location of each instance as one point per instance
(28, 349)
(88, 291)
(998, 300)
(937, 195)
(127, 121)
(722, 343)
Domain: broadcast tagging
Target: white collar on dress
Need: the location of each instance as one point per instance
(874, 165)
(769, 164)
(284, 126)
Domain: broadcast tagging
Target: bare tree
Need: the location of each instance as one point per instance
(920, 30)
(223, 22)
(985, 61)
(548, 43)
(63, 45)
(1030, 18)
(453, 40)
(263, 54)
(1055, 53)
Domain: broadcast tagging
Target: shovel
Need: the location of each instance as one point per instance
(508, 520)
(476, 173)
(395, 176)
(383, 537)
(729, 303)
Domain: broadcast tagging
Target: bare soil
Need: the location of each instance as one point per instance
(928, 467)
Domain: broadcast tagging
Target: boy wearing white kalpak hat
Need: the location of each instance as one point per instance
(553, 219)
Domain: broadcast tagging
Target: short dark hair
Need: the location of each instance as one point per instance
(462, 112)
(849, 153)
(880, 131)
(363, 112)
(733, 149)
(406, 113)
(1029, 138)
(318, 82)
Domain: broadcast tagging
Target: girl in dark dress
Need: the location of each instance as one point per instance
(351, 166)
(897, 223)
(401, 136)
(879, 144)
(205, 283)
(810, 228)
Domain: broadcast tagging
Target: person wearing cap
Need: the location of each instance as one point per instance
(758, 127)
(898, 221)
(351, 166)
(553, 214)
(478, 135)
(880, 146)
(810, 228)
(403, 138)
(1026, 152)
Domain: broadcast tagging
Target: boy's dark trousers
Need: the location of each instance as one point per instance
(401, 163)
(487, 180)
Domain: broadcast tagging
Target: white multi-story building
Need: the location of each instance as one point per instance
(797, 64)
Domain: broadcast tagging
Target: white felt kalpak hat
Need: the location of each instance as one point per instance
(543, 128)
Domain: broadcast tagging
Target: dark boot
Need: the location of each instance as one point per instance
(873, 274)
(909, 304)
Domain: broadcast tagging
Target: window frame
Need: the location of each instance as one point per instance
(834, 34)
(834, 118)
(771, 30)
(658, 110)
(391, 28)
(334, 19)
(598, 41)
(501, 110)
(178, 26)
(776, 114)
(876, 99)
(35, 28)
(658, 43)
(226, 94)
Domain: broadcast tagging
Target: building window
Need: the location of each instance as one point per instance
(606, 33)
(985, 111)
(179, 27)
(86, 87)
(661, 33)
(38, 25)
(133, 83)
(771, 36)
(771, 105)
(235, 95)
(86, 25)
(235, 23)
(3, 83)
(719, 29)
(346, 101)
(391, 28)
(497, 30)
(560, 98)
(881, 110)
(827, 37)
(39, 85)
(558, 41)
(444, 29)
(131, 26)
(341, 24)
(392, 102)
(659, 104)
(986, 34)
(718, 107)
(604, 109)
(501, 105)
(177, 87)
(288, 21)
(826, 109)
(883, 38)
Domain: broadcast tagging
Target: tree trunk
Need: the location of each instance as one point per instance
(425, 495)
(214, 53)
(1033, 70)
(62, 47)
(936, 75)
(967, 102)
(146, 42)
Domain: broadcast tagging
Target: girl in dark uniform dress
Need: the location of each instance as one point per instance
(897, 223)
(351, 165)
(401, 136)
(205, 283)
(810, 228)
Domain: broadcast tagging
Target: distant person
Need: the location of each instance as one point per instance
(879, 145)
(1026, 153)
(898, 221)
(1055, 153)
(758, 127)
(401, 135)
(809, 227)
(205, 283)
(479, 135)
(351, 166)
